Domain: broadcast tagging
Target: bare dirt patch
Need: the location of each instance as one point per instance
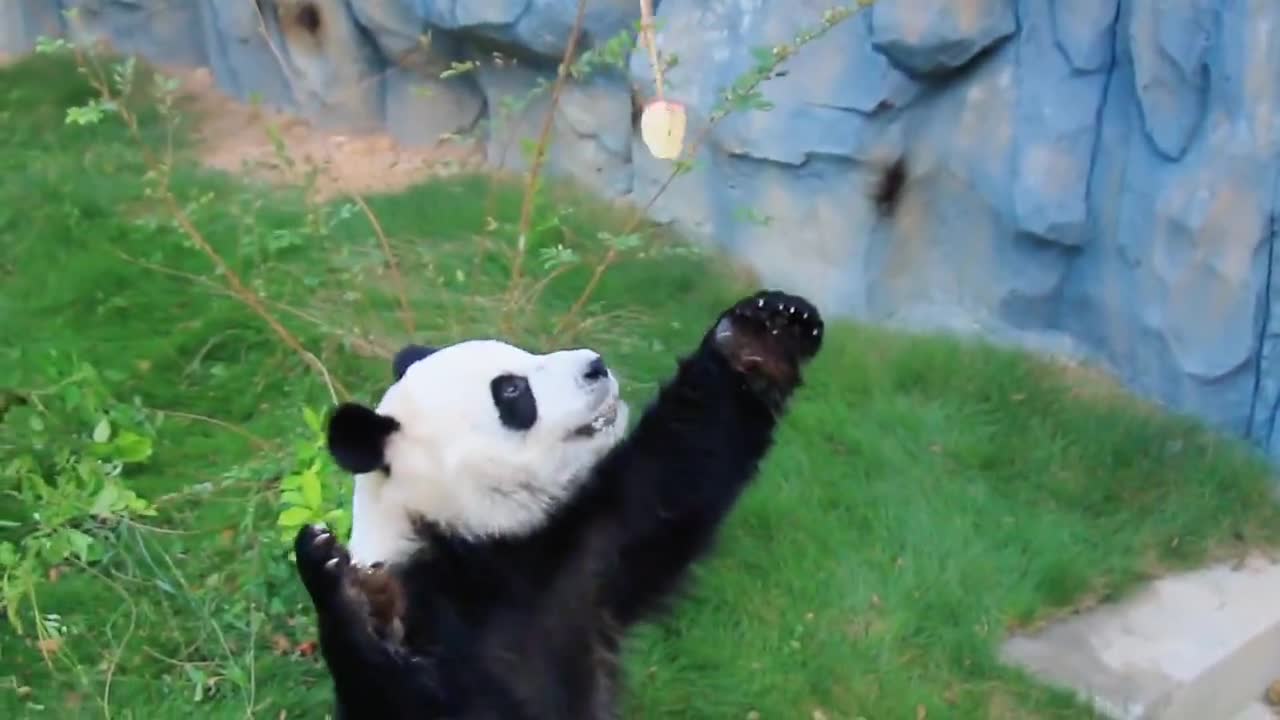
(236, 137)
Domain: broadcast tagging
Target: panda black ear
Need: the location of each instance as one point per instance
(357, 437)
(408, 355)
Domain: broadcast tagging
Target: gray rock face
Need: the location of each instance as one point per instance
(931, 36)
(419, 106)
(166, 31)
(590, 134)
(22, 22)
(1099, 177)
(536, 26)
(242, 43)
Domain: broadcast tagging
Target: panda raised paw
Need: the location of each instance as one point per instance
(769, 335)
(337, 584)
(322, 562)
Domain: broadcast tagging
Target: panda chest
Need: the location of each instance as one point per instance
(560, 661)
(550, 648)
(543, 610)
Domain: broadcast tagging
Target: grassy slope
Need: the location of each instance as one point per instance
(924, 497)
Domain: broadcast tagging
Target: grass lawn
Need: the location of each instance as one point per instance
(926, 496)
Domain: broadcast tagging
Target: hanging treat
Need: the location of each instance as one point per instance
(662, 128)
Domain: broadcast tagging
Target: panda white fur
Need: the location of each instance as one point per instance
(508, 531)
(492, 439)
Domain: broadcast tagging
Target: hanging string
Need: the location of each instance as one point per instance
(646, 29)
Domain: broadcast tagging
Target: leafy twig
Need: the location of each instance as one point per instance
(540, 150)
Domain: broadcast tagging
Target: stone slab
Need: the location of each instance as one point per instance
(1194, 646)
(1257, 711)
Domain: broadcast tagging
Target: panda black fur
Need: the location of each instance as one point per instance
(507, 533)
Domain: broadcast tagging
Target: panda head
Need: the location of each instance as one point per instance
(481, 439)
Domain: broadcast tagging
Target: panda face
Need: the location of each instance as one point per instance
(481, 438)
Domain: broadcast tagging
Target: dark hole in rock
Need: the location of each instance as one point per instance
(890, 186)
(308, 17)
(637, 109)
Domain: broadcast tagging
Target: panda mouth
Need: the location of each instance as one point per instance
(601, 422)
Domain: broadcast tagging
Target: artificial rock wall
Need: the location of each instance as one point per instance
(1097, 177)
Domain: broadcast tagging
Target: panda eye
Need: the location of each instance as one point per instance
(514, 401)
(512, 387)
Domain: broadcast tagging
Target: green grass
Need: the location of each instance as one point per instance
(926, 496)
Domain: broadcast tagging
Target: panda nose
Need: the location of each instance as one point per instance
(596, 370)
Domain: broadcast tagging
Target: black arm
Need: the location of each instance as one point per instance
(676, 477)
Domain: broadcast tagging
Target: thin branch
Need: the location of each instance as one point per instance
(405, 314)
(540, 151)
(587, 291)
(261, 443)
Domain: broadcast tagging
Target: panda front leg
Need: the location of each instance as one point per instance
(679, 473)
(373, 676)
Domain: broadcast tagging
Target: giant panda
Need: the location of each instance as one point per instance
(508, 530)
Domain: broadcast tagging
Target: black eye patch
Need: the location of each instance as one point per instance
(514, 399)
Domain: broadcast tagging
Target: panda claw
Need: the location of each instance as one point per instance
(331, 565)
(776, 319)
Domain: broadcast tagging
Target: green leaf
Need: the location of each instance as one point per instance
(131, 447)
(310, 487)
(557, 256)
(528, 148)
(71, 396)
(56, 547)
(312, 419)
(294, 516)
(102, 431)
(80, 543)
(13, 592)
(140, 506)
(292, 497)
(629, 241)
(107, 501)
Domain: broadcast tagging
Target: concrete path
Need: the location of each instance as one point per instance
(1203, 645)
